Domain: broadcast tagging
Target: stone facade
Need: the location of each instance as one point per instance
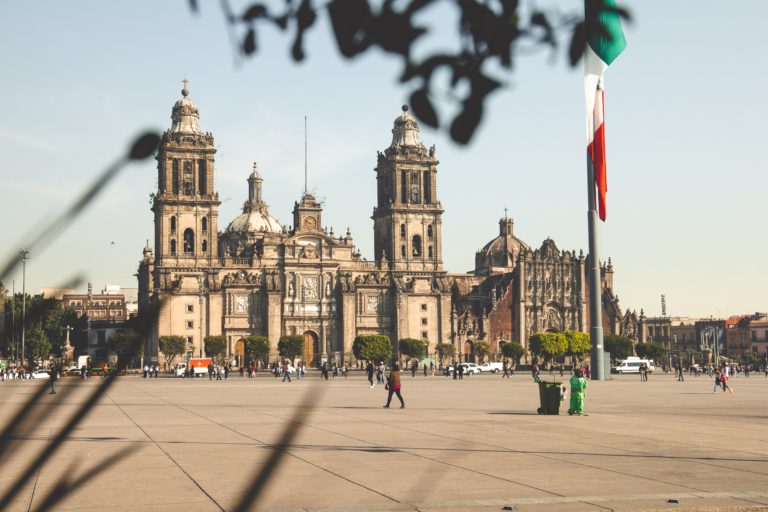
(516, 291)
(257, 277)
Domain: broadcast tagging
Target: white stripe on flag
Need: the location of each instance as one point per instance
(594, 67)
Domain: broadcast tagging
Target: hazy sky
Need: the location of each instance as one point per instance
(685, 114)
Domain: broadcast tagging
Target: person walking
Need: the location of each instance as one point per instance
(535, 372)
(324, 371)
(286, 372)
(432, 367)
(414, 367)
(504, 369)
(369, 373)
(394, 386)
(578, 393)
(54, 376)
(380, 373)
(424, 366)
(724, 381)
(461, 372)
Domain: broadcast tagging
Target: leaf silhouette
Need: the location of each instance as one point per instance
(423, 108)
(145, 146)
(249, 44)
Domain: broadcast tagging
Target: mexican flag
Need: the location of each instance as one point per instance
(605, 41)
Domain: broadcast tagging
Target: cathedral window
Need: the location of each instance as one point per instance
(414, 199)
(189, 179)
(173, 224)
(201, 177)
(430, 234)
(189, 240)
(416, 245)
(402, 251)
(204, 224)
(402, 230)
(173, 247)
(205, 245)
(403, 187)
(175, 176)
(427, 188)
(429, 252)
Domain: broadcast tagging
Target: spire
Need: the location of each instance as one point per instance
(254, 188)
(185, 115)
(505, 225)
(406, 130)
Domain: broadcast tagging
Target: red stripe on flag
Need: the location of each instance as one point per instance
(597, 151)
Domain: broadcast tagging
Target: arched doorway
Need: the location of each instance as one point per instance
(239, 352)
(469, 351)
(311, 348)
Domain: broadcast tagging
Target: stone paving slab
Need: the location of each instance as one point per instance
(468, 445)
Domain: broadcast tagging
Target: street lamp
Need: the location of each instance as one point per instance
(24, 257)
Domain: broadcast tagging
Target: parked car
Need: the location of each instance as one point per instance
(41, 374)
(490, 367)
(469, 369)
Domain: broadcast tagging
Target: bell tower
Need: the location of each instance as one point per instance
(408, 217)
(186, 206)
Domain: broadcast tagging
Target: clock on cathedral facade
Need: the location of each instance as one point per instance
(260, 277)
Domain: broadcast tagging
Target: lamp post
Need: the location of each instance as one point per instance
(24, 257)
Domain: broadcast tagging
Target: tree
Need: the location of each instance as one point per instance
(620, 347)
(482, 349)
(38, 344)
(548, 345)
(650, 350)
(126, 345)
(172, 346)
(447, 351)
(490, 32)
(578, 344)
(411, 348)
(512, 350)
(257, 348)
(215, 346)
(375, 347)
(291, 346)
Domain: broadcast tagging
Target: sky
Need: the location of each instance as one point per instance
(685, 120)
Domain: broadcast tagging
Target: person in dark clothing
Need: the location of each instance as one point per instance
(54, 376)
(461, 372)
(414, 367)
(369, 373)
(324, 371)
(393, 382)
(455, 371)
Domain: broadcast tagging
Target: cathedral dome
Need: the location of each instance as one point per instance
(185, 114)
(406, 130)
(255, 217)
(500, 254)
(254, 221)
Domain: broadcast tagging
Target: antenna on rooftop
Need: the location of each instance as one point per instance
(305, 154)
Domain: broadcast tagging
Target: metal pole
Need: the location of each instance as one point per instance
(24, 253)
(13, 321)
(595, 300)
(200, 298)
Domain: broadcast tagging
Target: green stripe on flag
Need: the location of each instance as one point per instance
(609, 42)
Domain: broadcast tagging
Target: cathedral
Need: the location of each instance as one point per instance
(258, 277)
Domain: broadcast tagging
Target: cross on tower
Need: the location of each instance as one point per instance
(505, 213)
(185, 90)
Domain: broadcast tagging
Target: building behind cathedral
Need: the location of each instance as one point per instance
(258, 277)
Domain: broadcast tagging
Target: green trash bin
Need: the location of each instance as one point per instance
(549, 397)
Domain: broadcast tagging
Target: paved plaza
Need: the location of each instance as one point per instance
(475, 444)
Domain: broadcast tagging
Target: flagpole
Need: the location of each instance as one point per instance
(595, 290)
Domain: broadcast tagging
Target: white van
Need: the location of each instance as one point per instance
(632, 365)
